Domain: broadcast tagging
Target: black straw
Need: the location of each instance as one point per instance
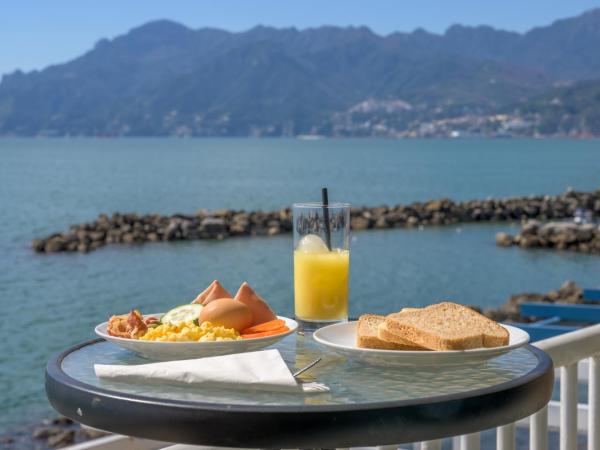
(326, 217)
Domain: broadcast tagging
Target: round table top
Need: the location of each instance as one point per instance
(366, 405)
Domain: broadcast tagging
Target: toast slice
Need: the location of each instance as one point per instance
(446, 326)
(405, 310)
(384, 334)
(367, 335)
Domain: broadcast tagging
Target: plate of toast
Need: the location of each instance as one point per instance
(439, 334)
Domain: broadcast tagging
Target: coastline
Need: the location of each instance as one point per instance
(584, 237)
(49, 433)
(131, 228)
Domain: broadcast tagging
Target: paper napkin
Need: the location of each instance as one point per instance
(264, 370)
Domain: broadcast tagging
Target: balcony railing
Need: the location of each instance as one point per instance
(576, 357)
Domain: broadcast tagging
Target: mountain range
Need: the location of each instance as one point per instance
(163, 79)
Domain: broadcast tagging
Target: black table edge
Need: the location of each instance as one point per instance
(302, 426)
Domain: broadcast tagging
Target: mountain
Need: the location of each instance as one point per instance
(567, 49)
(572, 110)
(163, 78)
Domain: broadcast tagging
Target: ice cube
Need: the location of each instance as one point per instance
(311, 243)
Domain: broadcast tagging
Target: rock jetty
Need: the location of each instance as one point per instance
(53, 433)
(555, 235)
(121, 228)
(569, 293)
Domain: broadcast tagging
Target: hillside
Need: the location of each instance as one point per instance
(566, 49)
(573, 110)
(165, 79)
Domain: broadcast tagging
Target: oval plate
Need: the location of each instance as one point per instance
(169, 351)
(341, 337)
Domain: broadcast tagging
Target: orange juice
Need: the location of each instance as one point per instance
(321, 284)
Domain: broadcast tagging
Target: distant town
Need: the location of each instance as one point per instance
(493, 125)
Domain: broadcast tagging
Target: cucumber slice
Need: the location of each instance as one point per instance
(183, 313)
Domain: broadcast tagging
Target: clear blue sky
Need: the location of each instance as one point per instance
(34, 34)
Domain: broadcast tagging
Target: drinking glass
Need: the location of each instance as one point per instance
(321, 263)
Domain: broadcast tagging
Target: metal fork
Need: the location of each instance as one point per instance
(314, 386)
(305, 368)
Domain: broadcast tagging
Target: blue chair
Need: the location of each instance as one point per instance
(544, 329)
(554, 314)
(575, 312)
(591, 295)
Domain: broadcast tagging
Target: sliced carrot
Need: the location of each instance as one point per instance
(266, 326)
(265, 333)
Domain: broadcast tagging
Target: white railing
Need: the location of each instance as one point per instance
(566, 351)
(576, 357)
(572, 354)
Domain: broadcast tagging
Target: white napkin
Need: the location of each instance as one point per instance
(264, 370)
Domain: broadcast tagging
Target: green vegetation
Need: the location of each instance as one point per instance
(568, 110)
(164, 79)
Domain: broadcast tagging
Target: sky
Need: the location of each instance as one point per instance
(35, 34)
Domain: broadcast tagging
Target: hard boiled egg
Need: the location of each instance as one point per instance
(227, 312)
(261, 312)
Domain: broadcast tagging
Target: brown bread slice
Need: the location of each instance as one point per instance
(447, 326)
(385, 335)
(406, 310)
(366, 334)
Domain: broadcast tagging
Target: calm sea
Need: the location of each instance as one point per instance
(52, 301)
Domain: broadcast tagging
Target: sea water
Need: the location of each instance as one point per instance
(50, 302)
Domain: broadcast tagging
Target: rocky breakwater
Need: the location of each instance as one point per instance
(133, 228)
(555, 235)
(53, 433)
(569, 293)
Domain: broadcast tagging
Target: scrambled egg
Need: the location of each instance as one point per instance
(189, 331)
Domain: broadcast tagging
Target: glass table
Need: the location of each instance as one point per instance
(365, 406)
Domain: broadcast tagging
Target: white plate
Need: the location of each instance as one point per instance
(169, 351)
(341, 337)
